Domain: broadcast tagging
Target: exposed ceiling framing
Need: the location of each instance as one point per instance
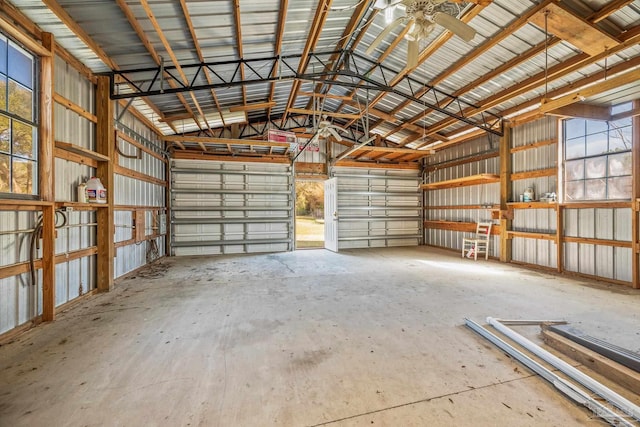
(316, 48)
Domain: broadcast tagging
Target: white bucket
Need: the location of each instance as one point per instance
(96, 193)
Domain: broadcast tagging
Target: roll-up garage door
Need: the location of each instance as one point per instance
(378, 207)
(230, 207)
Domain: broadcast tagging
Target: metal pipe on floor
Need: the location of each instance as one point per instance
(564, 386)
(521, 322)
(611, 396)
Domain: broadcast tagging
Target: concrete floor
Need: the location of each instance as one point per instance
(308, 338)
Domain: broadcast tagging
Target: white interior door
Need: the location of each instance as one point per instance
(331, 214)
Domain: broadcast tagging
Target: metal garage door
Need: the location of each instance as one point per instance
(230, 207)
(378, 207)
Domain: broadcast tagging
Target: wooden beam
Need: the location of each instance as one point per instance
(46, 180)
(169, 119)
(176, 63)
(196, 45)
(598, 242)
(558, 71)
(326, 95)
(282, 17)
(12, 31)
(380, 165)
(207, 140)
(252, 107)
(139, 176)
(584, 111)
(560, 238)
(533, 145)
(48, 264)
(574, 29)
(105, 145)
(237, 18)
(606, 367)
(320, 16)
(596, 89)
(538, 173)
(505, 193)
(76, 158)
(324, 113)
(466, 227)
(74, 107)
(635, 195)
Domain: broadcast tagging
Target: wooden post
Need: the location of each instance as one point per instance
(46, 177)
(635, 195)
(505, 193)
(105, 144)
(560, 238)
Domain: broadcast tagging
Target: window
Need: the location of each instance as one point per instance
(597, 158)
(18, 127)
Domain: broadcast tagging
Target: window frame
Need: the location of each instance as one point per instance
(14, 118)
(585, 157)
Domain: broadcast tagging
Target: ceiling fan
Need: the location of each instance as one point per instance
(422, 16)
(322, 127)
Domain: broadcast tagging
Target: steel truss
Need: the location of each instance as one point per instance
(343, 68)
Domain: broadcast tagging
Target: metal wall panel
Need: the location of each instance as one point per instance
(484, 194)
(133, 192)
(598, 260)
(231, 207)
(378, 207)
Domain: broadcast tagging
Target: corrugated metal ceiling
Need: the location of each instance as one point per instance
(343, 24)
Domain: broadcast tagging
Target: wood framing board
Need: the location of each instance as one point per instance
(140, 225)
(140, 146)
(81, 151)
(574, 29)
(76, 158)
(531, 235)
(533, 145)
(105, 145)
(606, 367)
(458, 226)
(310, 168)
(75, 108)
(199, 155)
(377, 165)
(538, 173)
(533, 205)
(630, 77)
(483, 178)
(120, 170)
(598, 242)
(388, 153)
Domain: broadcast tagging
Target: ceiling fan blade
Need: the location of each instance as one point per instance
(384, 34)
(314, 138)
(456, 26)
(412, 54)
(335, 134)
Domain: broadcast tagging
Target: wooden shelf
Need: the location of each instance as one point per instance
(457, 226)
(531, 235)
(483, 178)
(81, 206)
(76, 149)
(533, 205)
